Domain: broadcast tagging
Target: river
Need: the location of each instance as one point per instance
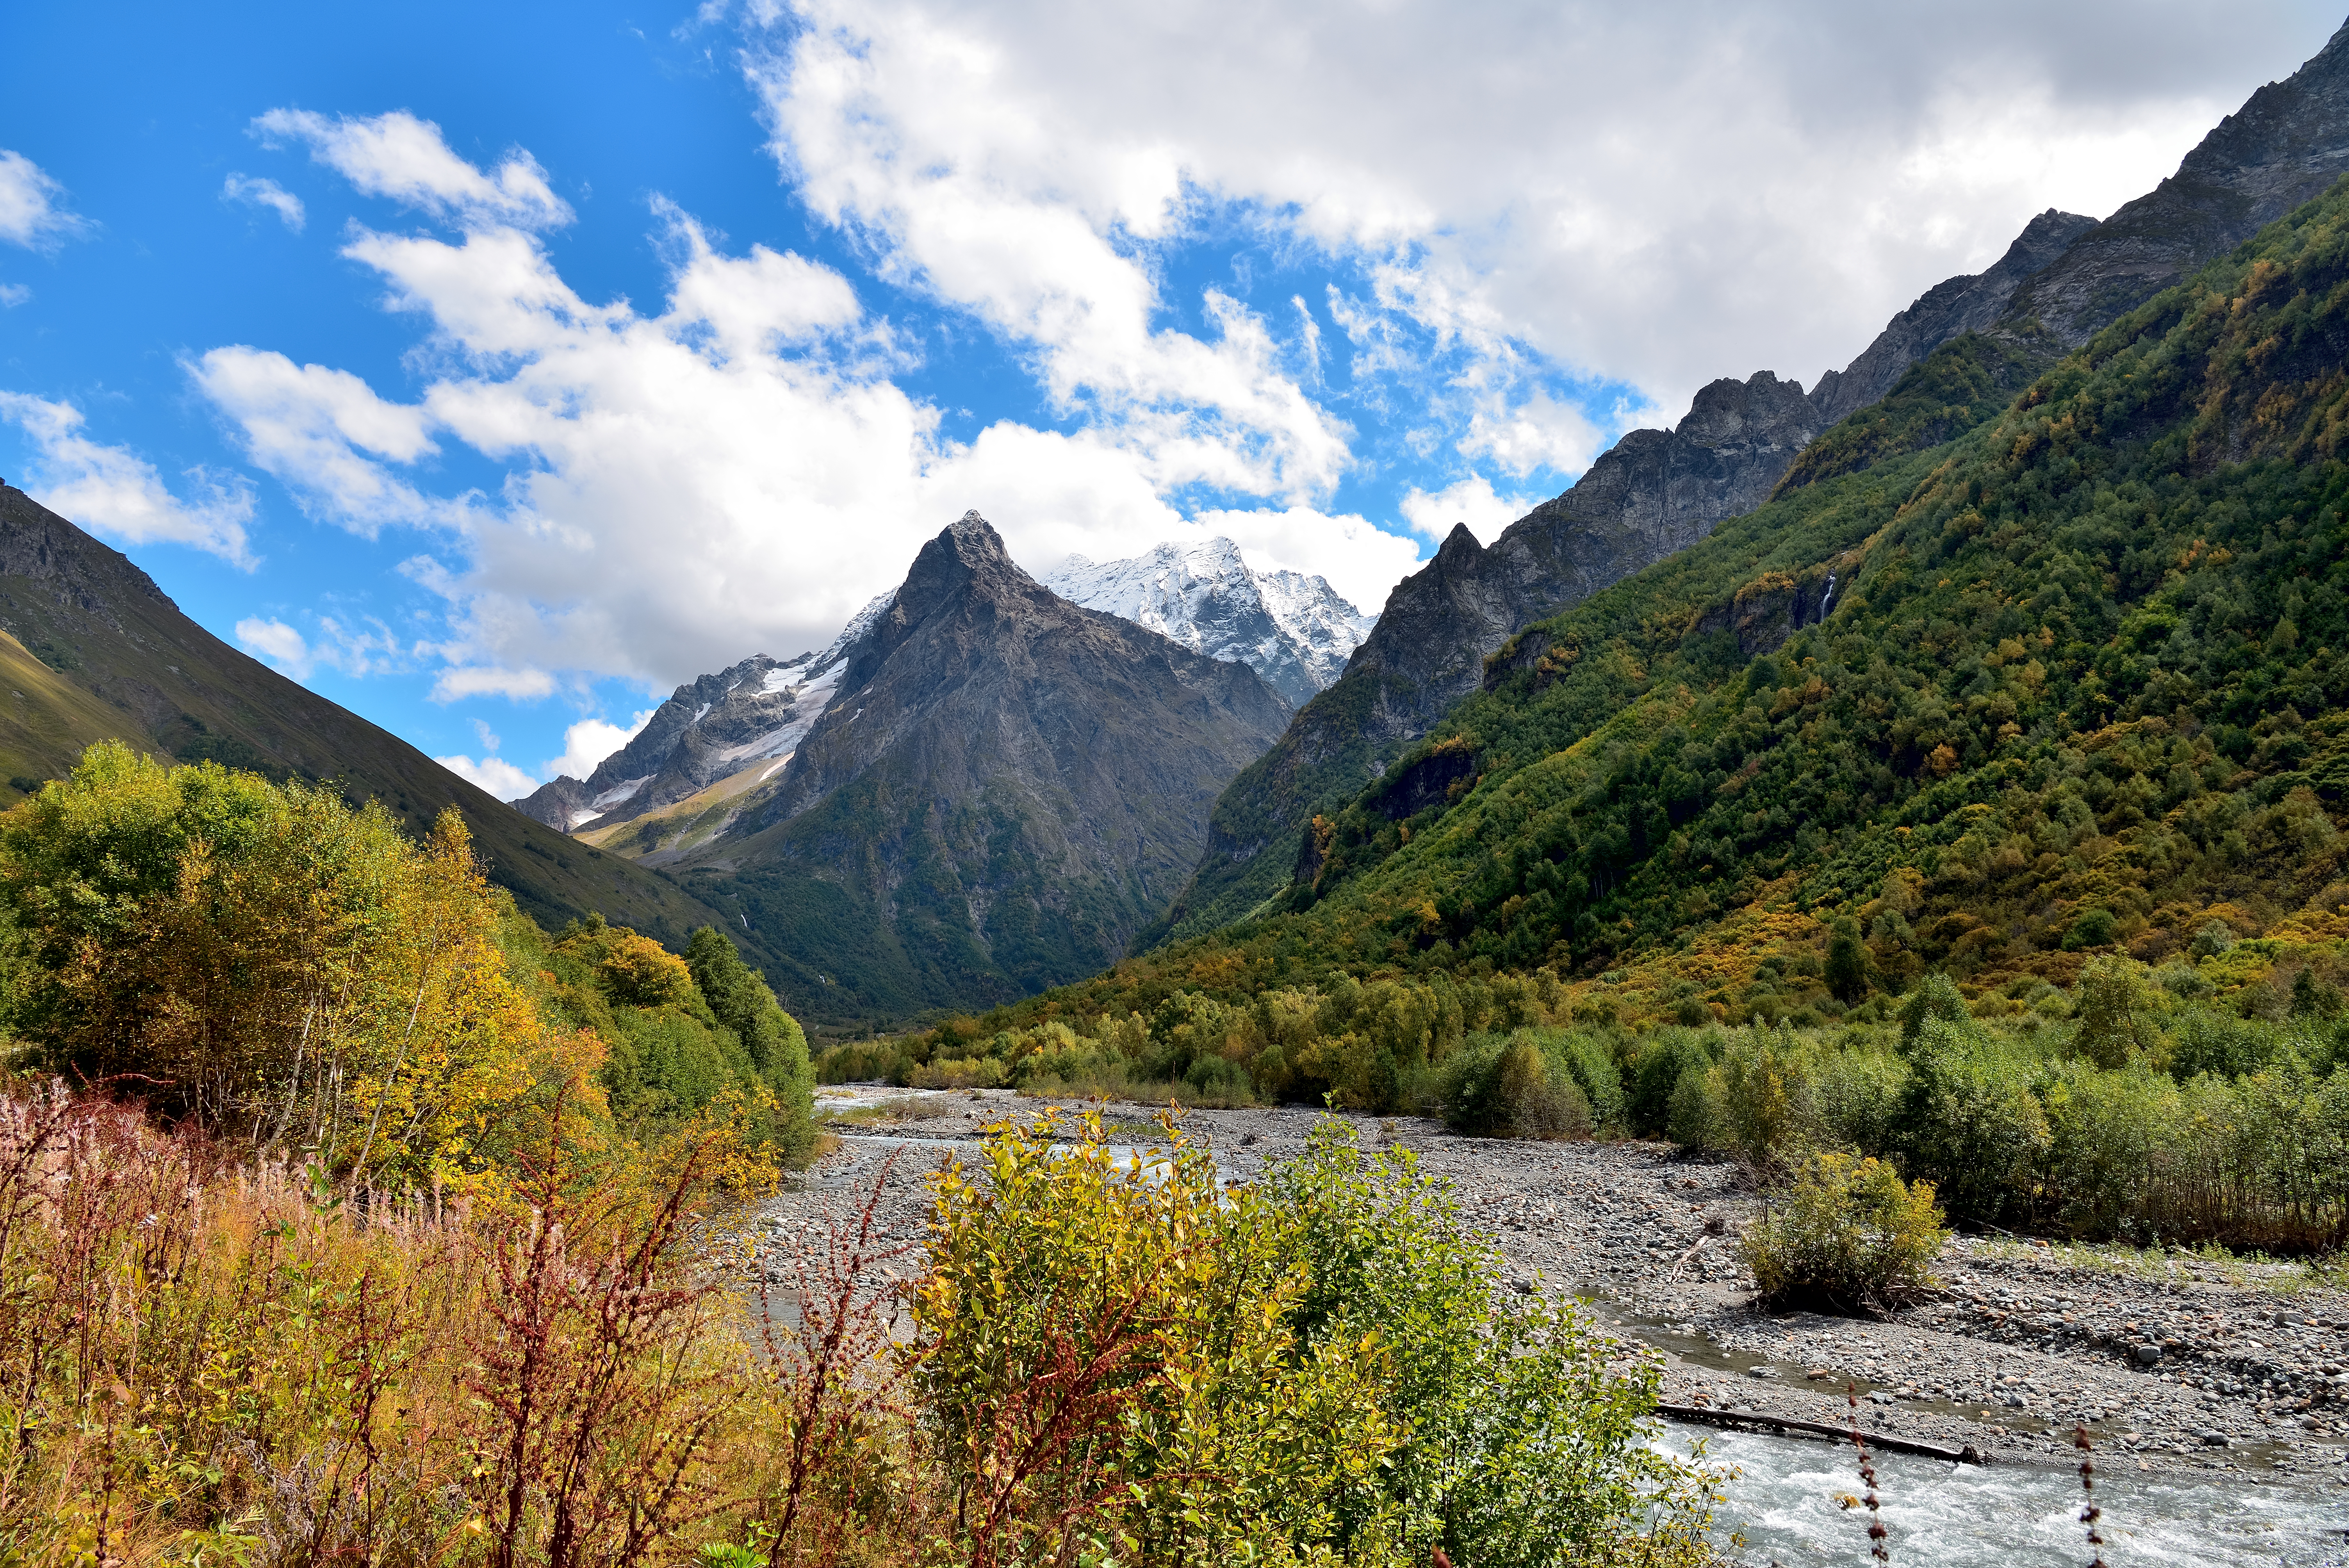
(1965, 1516)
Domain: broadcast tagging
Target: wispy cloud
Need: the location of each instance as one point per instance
(355, 646)
(494, 774)
(267, 194)
(406, 159)
(116, 492)
(31, 213)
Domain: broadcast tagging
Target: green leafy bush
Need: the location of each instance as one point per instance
(1969, 1121)
(1513, 1089)
(1850, 1235)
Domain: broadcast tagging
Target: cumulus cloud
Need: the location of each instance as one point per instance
(1472, 500)
(1654, 195)
(266, 193)
(31, 210)
(322, 433)
(494, 774)
(588, 742)
(113, 492)
(911, 134)
(405, 158)
(734, 471)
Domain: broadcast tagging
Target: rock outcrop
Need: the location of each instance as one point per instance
(1968, 303)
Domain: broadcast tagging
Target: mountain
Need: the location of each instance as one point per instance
(92, 649)
(1968, 303)
(709, 729)
(1002, 789)
(1954, 358)
(1291, 629)
(2074, 683)
(2287, 144)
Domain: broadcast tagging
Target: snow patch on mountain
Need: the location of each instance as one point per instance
(1293, 630)
(706, 730)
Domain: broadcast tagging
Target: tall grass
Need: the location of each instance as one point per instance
(203, 1361)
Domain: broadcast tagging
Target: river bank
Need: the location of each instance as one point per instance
(2174, 1363)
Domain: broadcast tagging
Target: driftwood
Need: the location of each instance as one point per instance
(1968, 1455)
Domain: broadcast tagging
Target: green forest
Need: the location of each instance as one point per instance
(2051, 710)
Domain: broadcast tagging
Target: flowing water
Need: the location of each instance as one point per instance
(1785, 1501)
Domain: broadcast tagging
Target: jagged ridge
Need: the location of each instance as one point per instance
(1293, 629)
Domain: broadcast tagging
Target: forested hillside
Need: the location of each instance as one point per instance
(2070, 682)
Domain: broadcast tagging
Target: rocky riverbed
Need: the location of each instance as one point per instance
(2173, 1364)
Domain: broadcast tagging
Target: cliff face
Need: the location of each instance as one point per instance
(1002, 789)
(2282, 149)
(709, 730)
(1966, 304)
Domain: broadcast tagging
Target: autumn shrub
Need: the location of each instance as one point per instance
(1656, 1067)
(275, 965)
(204, 1359)
(1696, 1116)
(1969, 1121)
(1118, 1357)
(1848, 1234)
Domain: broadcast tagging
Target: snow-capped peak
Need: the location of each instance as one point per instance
(1291, 629)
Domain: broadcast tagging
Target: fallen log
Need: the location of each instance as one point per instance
(1969, 1455)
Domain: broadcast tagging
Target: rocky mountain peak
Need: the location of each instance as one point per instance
(1729, 410)
(2282, 148)
(1293, 629)
(1001, 786)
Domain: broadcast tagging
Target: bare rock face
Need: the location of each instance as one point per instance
(1003, 787)
(2282, 148)
(1968, 303)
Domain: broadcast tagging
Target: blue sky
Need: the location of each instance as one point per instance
(490, 369)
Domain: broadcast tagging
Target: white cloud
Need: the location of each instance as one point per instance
(494, 774)
(30, 213)
(266, 193)
(355, 646)
(913, 134)
(734, 473)
(1656, 195)
(1471, 501)
(1538, 432)
(278, 642)
(113, 492)
(403, 158)
(320, 433)
(590, 741)
(14, 294)
(461, 681)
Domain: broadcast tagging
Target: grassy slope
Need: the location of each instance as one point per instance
(135, 668)
(2086, 665)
